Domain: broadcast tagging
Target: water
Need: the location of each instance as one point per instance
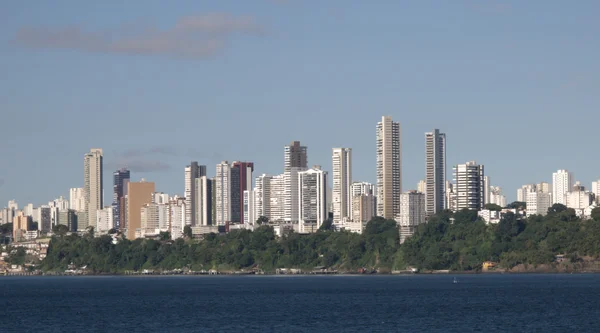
(485, 303)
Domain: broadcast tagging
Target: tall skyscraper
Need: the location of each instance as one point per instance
(119, 178)
(435, 172)
(538, 203)
(204, 201)
(486, 189)
(222, 189)
(596, 190)
(192, 172)
(342, 184)
(295, 160)
(92, 187)
(389, 168)
(138, 195)
(295, 156)
(470, 186)
(312, 194)
(562, 182)
(241, 180)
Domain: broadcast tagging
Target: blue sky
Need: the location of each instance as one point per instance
(513, 84)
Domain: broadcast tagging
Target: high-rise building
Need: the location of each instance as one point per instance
(222, 188)
(262, 199)
(248, 201)
(105, 220)
(578, 197)
(77, 199)
(68, 218)
(192, 172)
(295, 160)
(389, 168)
(312, 194)
(177, 218)
(538, 203)
(523, 192)
(342, 183)
(277, 196)
(45, 219)
(138, 195)
(596, 190)
(412, 213)
(204, 201)
(562, 182)
(363, 207)
(435, 172)
(295, 156)
(92, 186)
(422, 187)
(119, 178)
(496, 196)
(470, 186)
(486, 189)
(241, 180)
(21, 223)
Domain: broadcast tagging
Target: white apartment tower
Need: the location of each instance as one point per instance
(295, 160)
(389, 168)
(192, 172)
(435, 172)
(470, 186)
(277, 196)
(104, 220)
(92, 187)
(342, 183)
(562, 182)
(596, 190)
(312, 193)
(222, 188)
(412, 213)
(262, 196)
(538, 203)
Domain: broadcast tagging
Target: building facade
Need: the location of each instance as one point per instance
(412, 213)
(342, 184)
(120, 179)
(389, 168)
(138, 195)
(538, 203)
(204, 202)
(435, 172)
(470, 186)
(312, 204)
(192, 172)
(222, 188)
(93, 186)
(562, 182)
(241, 180)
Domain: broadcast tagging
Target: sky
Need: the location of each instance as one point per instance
(155, 84)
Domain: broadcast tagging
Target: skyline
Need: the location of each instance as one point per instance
(520, 82)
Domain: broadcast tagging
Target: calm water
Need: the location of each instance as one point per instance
(508, 303)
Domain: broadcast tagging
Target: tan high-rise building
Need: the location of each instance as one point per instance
(92, 187)
(138, 195)
(389, 168)
(435, 172)
(362, 208)
(20, 226)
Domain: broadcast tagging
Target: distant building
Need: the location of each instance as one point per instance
(138, 195)
(538, 203)
(104, 220)
(596, 190)
(312, 194)
(68, 218)
(21, 223)
(470, 186)
(363, 208)
(295, 161)
(77, 199)
(222, 189)
(177, 218)
(496, 196)
(412, 213)
(204, 189)
(578, 197)
(389, 168)
(93, 190)
(241, 180)
(562, 182)
(435, 172)
(342, 182)
(120, 179)
(192, 172)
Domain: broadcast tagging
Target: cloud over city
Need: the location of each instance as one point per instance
(195, 36)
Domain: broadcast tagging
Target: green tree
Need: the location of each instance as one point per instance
(164, 236)
(327, 225)
(596, 214)
(60, 229)
(493, 207)
(557, 208)
(187, 232)
(517, 205)
(262, 220)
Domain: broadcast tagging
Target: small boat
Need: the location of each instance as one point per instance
(455, 280)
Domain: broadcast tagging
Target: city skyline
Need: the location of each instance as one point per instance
(502, 77)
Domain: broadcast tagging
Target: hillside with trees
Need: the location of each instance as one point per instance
(457, 241)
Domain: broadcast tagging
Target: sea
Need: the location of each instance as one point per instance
(374, 303)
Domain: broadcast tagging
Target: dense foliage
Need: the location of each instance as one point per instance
(456, 241)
